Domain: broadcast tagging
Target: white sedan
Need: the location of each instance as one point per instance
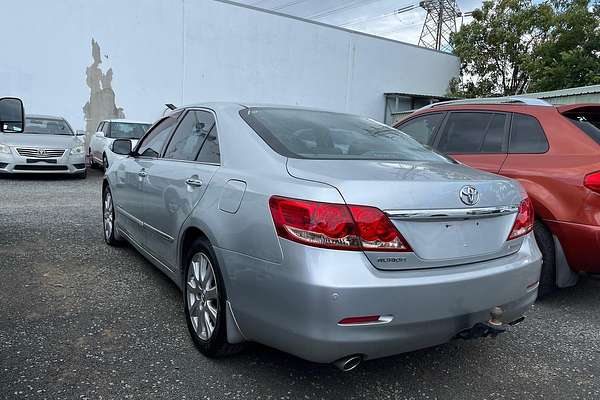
(100, 150)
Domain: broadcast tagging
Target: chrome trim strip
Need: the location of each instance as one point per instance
(145, 225)
(131, 217)
(32, 152)
(160, 233)
(451, 213)
(145, 252)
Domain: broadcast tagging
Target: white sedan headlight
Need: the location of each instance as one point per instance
(4, 149)
(78, 149)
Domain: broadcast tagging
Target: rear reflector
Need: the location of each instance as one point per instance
(335, 226)
(359, 320)
(533, 285)
(524, 221)
(592, 182)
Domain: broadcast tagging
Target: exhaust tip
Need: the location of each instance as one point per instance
(347, 364)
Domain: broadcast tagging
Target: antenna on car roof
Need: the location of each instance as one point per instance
(170, 106)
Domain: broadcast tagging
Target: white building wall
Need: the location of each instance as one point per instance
(188, 51)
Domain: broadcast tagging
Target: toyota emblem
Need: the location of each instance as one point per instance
(469, 195)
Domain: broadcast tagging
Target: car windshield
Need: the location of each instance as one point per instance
(326, 135)
(47, 126)
(127, 130)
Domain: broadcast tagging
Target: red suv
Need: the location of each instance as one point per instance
(554, 151)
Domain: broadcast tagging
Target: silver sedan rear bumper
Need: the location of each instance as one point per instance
(316, 288)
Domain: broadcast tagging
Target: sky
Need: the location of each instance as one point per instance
(372, 16)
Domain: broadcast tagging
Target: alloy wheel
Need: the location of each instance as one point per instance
(109, 215)
(202, 296)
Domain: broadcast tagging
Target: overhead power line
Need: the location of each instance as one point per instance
(369, 19)
(343, 8)
(258, 3)
(291, 3)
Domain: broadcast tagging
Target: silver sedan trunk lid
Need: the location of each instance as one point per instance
(424, 201)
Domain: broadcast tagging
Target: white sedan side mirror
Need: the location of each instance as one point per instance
(99, 134)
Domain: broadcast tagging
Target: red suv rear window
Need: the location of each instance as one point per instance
(588, 120)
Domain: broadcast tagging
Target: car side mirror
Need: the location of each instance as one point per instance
(100, 134)
(79, 132)
(122, 147)
(12, 115)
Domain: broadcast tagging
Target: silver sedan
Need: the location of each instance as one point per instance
(48, 144)
(329, 236)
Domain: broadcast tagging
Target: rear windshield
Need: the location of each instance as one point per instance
(588, 122)
(325, 135)
(47, 126)
(127, 130)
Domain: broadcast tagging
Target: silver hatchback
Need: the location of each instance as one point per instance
(329, 236)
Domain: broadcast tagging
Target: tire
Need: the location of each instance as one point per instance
(91, 158)
(104, 162)
(545, 242)
(111, 237)
(202, 276)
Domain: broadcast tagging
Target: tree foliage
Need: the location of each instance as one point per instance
(570, 55)
(513, 46)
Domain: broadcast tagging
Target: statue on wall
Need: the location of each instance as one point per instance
(102, 102)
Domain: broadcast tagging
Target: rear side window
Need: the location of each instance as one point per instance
(473, 132)
(588, 121)
(190, 136)
(210, 149)
(495, 135)
(527, 135)
(310, 134)
(422, 128)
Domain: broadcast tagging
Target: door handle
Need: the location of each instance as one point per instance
(193, 182)
(142, 174)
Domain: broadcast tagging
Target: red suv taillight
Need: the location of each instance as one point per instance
(524, 221)
(335, 226)
(592, 181)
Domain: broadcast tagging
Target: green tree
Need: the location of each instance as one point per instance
(496, 47)
(570, 54)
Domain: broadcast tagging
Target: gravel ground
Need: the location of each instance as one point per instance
(79, 319)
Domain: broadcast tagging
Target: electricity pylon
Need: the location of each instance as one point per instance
(440, 22)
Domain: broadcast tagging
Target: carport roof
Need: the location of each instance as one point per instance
(565, 92)
(418, 96)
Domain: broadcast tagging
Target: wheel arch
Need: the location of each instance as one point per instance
(542, 199)
(564, 275)
(104, 185)
(189, 235)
